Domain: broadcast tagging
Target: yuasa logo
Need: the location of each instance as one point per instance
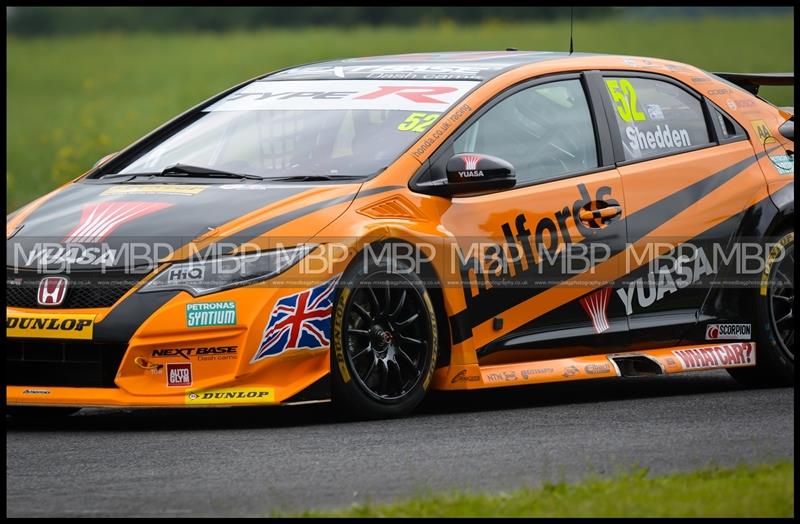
(596, 306)
(179, 375)
(471, 162)
(101, 219)
(52, 291)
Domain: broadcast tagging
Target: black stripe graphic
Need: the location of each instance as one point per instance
(492, 302)
(261, 228)
(533, 330)
(123, 321)
(120, 325)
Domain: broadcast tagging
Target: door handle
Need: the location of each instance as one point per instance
(595, 217)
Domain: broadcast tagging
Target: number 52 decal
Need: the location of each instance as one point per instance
(624, 96)
(418, 122)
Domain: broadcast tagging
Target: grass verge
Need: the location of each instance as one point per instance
(73, 100)
(765, 490)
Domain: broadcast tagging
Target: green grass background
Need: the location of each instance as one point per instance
(72, 100)
(747, 491)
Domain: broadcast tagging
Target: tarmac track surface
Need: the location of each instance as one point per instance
(248, 461)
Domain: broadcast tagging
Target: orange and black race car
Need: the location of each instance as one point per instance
(365, 230)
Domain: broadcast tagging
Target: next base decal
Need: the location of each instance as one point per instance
(724, 355)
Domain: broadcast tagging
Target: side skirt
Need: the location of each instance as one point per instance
(661, 361)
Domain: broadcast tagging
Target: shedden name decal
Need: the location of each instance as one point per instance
(204, 314)
(232, 396)
(724, 355)
(33, 325)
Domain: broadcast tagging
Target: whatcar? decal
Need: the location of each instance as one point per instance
(725, 355)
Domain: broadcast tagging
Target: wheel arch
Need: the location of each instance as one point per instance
(432, 282)
(761, 221)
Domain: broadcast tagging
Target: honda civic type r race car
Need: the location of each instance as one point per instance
(366, 230)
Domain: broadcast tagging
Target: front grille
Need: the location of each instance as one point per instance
(83, 291)
(69, 363)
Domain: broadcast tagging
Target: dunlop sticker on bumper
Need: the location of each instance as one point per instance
(232, 396)
(49, 325)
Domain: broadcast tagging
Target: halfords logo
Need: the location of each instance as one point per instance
(529, 246)
(101, 219)
(728, 331)
(34, 325)
(52, 291)
(232, 396)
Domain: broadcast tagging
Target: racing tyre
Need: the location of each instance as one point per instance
(385, 341)
(774, 322)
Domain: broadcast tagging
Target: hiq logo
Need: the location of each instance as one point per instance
(179, 275)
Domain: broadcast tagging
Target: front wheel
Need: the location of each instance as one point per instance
(384, 342)
(774, 316)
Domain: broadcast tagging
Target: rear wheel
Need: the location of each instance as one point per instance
(384, 341)
(774, 316)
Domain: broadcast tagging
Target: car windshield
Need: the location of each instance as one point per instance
(306, 128)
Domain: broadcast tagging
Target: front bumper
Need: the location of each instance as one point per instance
(154, 334)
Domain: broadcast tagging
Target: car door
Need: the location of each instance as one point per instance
(688, 172)
(534, 259)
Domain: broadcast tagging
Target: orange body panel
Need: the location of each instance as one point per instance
(384, 207)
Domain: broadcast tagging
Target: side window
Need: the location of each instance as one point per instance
(545, 131)
(655, 117)
(727, 129)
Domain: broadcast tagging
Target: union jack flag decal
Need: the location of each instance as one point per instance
(299, 321)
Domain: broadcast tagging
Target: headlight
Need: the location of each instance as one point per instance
(202, 278)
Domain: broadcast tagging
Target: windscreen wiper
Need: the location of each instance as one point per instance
(313, 178)
(189, 170)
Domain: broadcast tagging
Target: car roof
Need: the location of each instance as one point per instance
(468, 65)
